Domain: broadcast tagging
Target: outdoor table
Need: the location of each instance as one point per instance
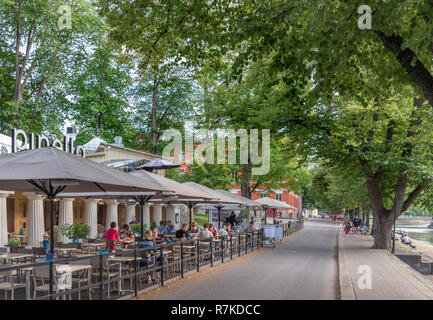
(15, 256)
(122, 260)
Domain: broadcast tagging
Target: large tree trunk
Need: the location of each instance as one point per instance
(383, 232)
(154, 106)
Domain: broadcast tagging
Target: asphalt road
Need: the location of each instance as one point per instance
(303, 266)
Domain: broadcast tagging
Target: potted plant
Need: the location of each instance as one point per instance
(13, 244)
(80, 231)
(136, 228)
(75, 231)
(153, 224)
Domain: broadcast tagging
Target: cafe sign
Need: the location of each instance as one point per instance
(28, 141)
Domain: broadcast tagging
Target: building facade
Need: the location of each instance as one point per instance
(29, 212)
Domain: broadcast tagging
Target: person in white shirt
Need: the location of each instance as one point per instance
(223, 232)
(205, 233)
(405, 239)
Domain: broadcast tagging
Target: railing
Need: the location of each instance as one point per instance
(143, 268)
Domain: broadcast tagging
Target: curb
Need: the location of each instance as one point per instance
(347, 291)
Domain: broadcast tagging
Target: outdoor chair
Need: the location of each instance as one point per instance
(109, 271)
(8, 284)
(39, 252)
(41, 276)
(82, 277)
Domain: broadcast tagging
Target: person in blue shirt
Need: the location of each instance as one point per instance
(161, 228)
(169, 227)
(238, 227)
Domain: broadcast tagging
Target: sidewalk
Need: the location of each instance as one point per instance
(391, 278)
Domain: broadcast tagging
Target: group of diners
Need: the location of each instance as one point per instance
(156, 235)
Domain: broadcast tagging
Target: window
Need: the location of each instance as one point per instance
(278, 196)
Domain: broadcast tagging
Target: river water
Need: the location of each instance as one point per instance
(417, 232)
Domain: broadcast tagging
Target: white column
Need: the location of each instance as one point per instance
(111, 213)
(66, 216)
(146, 215)
(4, 217)
(157, 213)
(170, 212)
(130, 212)
(36, 225)
(91, 217)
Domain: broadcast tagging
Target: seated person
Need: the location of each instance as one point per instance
(251, 227)
(126, 235)
(147, 243)
(156, 237)
(169, 227)
(213, 230)
(238, 227)
(223, 231)
(112, 234)
(405, 239)
(205, 233)
(195, 228)
(161, 228)
(183, 233)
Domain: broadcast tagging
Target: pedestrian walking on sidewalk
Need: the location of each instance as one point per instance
(347, 227)
(356, 223)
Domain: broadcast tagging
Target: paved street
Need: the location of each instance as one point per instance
(303, 266)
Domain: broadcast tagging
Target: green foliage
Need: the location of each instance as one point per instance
(14, 242)
(153, 224)
(136, 227)
(78, 230)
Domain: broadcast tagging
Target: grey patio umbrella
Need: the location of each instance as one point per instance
(183, 192)
(220, 199)
(156, 164)
(273, 204)
(50, 171)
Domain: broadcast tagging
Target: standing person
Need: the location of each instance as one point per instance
(356, 224)
(347, 227)
(232, 218)
(112, 234)
(133, 221)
